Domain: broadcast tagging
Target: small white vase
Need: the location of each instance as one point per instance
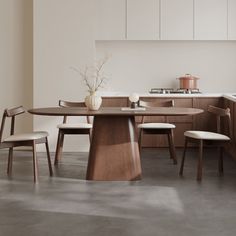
(93, 101)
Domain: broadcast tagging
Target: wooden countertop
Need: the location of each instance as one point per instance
(114, 111)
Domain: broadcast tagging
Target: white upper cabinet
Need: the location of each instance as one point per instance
(143, 19)
(232, 19)
(110, 20)
(165, 19)
(210, 19)
(177, 19)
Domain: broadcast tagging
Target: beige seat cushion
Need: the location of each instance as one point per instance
(75, 126)
(27, 136)
(156, 126)
(204, 135)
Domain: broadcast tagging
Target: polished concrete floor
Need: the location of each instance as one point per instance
(161, 203)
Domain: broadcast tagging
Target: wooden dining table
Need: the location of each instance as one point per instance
(114, 152)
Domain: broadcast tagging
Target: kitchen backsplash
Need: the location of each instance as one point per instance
(141, 65)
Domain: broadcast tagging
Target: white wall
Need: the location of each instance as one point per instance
(141, 65)
(63, 38)
(16, 65)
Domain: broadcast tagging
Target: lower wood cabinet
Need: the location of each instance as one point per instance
(232, 106)
(115, 101)
(182, 123)
(234, 123)
(204, 121)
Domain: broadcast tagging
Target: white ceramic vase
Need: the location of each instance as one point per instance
(93, 101)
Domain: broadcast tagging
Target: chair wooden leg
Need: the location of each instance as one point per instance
(59, 147)
(35, 163)
(10, 159)
(172, 146)
(221, 162)
(168, 136)
(90, 136)
(183, 157)
(140, 140)
(199, 167)
(48, 157)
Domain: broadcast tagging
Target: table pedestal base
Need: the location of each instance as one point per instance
(114, 152)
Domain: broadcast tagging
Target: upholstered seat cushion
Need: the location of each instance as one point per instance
(156, 126)
(204, 135)
(26, 136)
(75, 126)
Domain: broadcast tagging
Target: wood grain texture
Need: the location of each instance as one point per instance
(161, 103)
(231, 149)
(114, 111)
(114, 153)
(182, 123)
(11, 113)
(234, 124)
(114, 102)
(181, 102)
(71, 131)
(220, 144)
(204, 121)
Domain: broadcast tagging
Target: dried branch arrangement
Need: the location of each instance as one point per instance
(94, 77)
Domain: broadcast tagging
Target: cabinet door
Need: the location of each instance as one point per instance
(110, 19)
(234, 125)
(205, 121)
(225, 127)
(177, 19)
(143, 19)
(231, 19)
(210, 19)
(114, 101)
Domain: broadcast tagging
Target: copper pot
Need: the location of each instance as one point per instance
(188, 82)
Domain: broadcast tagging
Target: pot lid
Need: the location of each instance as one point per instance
(188, 76)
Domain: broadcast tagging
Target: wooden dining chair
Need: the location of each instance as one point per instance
(209, 138)
(158, 128)
(71, 129)
(22, 139)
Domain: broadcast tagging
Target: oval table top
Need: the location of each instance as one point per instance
(115, 111)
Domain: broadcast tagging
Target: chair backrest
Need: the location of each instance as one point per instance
(11, 113)
(169, 103)
(220, 113)
(63, 103)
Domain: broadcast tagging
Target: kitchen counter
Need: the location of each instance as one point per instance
(119, 94)
(231, 97)
(200, 122)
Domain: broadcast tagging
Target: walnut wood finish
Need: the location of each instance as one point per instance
(167, 131)
(63, 103)
(182, 102)
(11, 113)
(115, 111)
(219, 114)
(169, 103)
(64, 131)
(114, 153)
(115, 102)
(204, 121)
(182, 123)
(231, 148)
